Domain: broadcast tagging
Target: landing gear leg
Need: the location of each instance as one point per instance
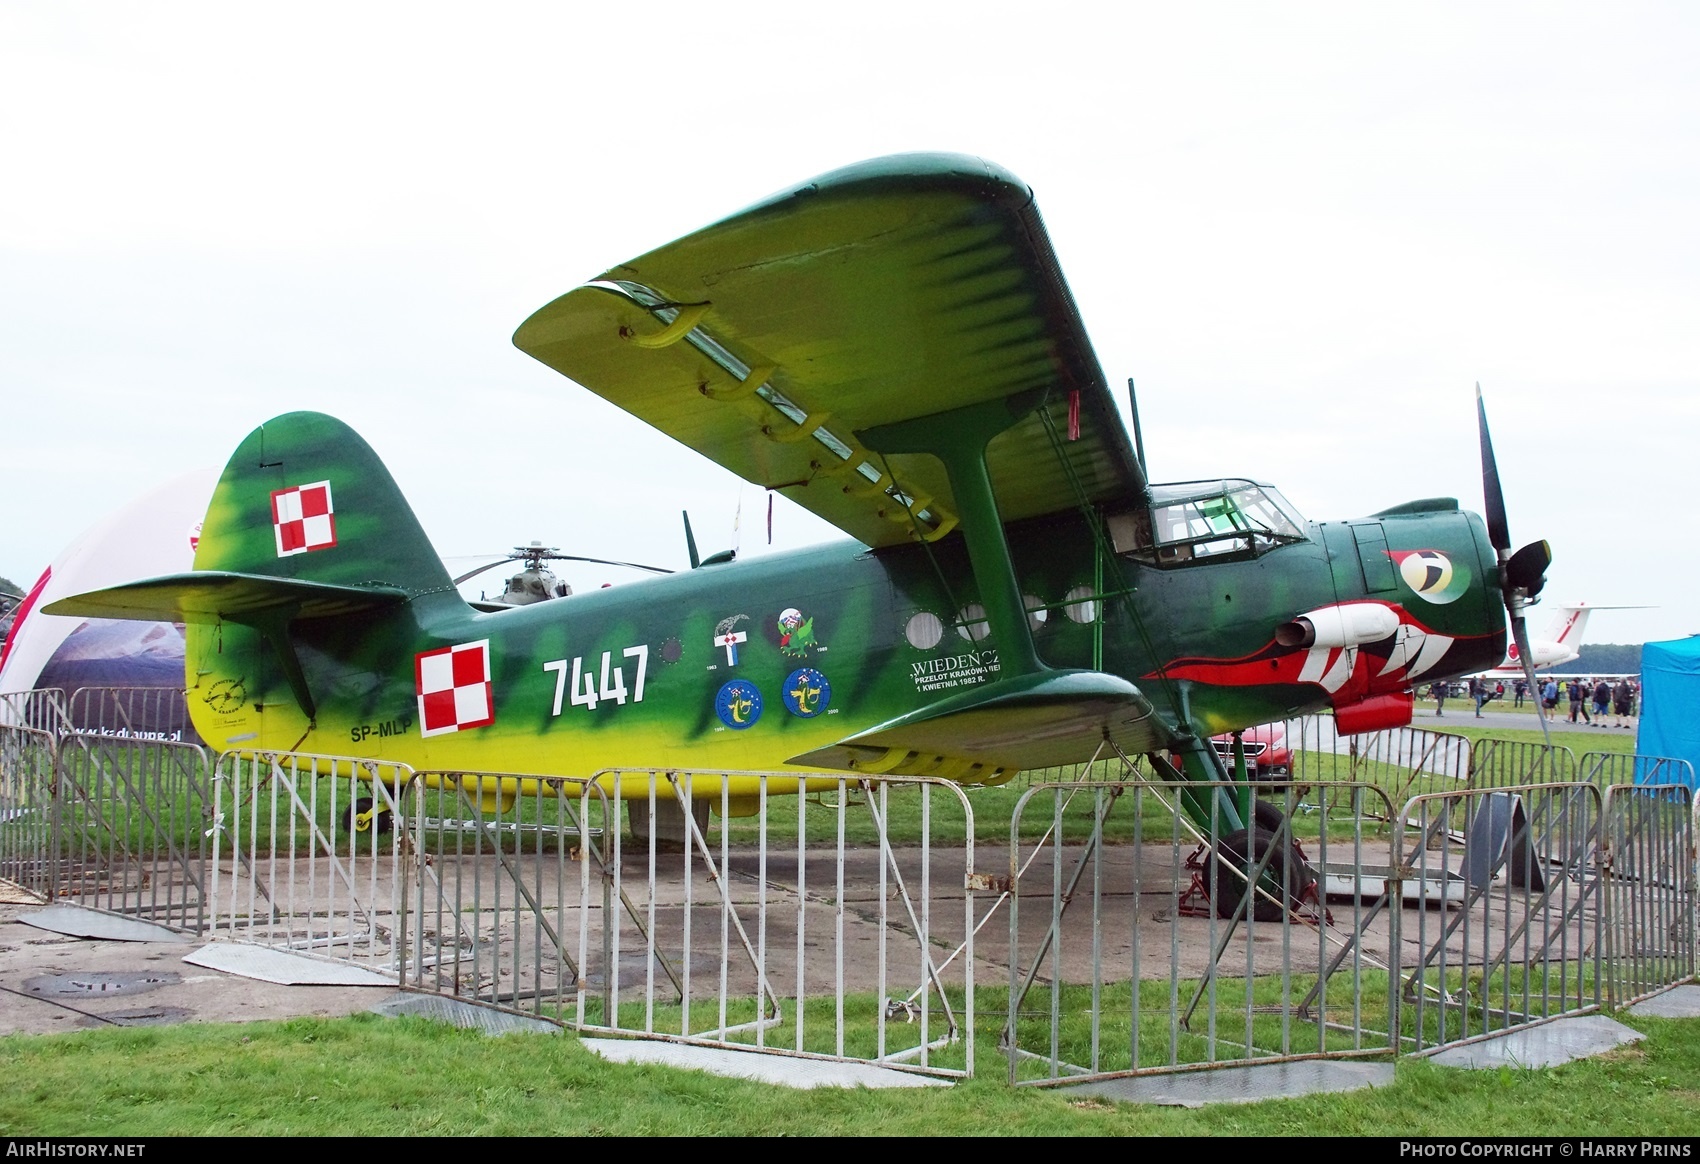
(1240, 831)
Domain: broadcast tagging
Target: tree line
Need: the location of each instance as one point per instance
(1603, 659)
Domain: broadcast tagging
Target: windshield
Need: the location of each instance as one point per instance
(1198, 519)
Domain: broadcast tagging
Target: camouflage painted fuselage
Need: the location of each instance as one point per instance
(746, 665)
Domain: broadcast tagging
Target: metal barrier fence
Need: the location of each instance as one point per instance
(1304, 750)
(1149, 956)
(158, 713)
(43, 709)
(131, 827)
(1507, 763)
(1523, 943)
(28, 763)
(1608, 768)
(507, 907)
(1648, 863)
(1401, 762)
(305, 858)
(841, 922)
(834, 924)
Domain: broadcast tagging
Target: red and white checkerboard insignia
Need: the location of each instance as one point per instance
(303, 519)
(454, 688)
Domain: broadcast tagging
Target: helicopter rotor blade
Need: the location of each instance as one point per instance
(554, 557)
(609, 562)
(480, 570)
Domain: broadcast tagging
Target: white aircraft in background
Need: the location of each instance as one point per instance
(1561, 644)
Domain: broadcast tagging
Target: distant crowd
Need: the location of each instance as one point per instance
(1590, 700)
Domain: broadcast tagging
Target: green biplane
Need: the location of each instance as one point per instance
(893, 347)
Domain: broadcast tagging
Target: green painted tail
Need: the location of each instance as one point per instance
(304, 498)
(306, 540)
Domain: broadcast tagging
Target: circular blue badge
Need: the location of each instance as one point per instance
(738, 704)
(806, 693)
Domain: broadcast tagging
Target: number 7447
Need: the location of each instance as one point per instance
(587, 692)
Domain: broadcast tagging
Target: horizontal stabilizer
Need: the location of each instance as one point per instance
(989, 733)
(208, 596)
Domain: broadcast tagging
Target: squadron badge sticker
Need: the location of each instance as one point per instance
(738, 704)
(806, 693)
(727, 637)
(796, 634)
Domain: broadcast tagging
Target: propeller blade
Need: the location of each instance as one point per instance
(1527, 569)
(1520, 633)
(1498, 531)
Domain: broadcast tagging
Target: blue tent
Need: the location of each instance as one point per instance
(1670, 700)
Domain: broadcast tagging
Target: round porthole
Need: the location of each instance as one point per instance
(1081, 608)
(1036, 612)
(924, 630)
(971, 622)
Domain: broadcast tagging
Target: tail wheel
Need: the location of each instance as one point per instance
(361, 819)
(1237, 854)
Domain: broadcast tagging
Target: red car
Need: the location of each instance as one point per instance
(1267, 756)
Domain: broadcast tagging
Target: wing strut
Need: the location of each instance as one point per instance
(958, 437)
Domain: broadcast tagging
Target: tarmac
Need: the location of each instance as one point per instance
(1459, 713)
(54, 982)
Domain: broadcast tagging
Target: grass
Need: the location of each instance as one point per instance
(1270, 1021)
(409, 1077)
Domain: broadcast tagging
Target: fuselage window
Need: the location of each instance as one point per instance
(924, 630)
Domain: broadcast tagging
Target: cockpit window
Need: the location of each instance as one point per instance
(1205, 519)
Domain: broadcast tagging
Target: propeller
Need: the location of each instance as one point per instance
(537, 553)
(1521, 574)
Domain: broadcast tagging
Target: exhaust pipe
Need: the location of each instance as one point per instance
(1349, 624)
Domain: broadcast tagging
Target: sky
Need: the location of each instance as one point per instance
(1306, 230)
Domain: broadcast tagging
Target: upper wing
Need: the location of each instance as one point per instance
(882, 292)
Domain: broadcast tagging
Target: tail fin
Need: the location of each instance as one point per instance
(1568, 624)
(304, 498)
(305, 524)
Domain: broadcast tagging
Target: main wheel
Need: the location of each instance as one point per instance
(1237, 855)
(1266, 816)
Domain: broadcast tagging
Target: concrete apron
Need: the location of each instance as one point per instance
(74, 983)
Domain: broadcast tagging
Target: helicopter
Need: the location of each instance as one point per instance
(536, 582)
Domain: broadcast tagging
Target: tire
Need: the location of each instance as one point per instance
(1227, 885)
(1267, 817)
(382, 822)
